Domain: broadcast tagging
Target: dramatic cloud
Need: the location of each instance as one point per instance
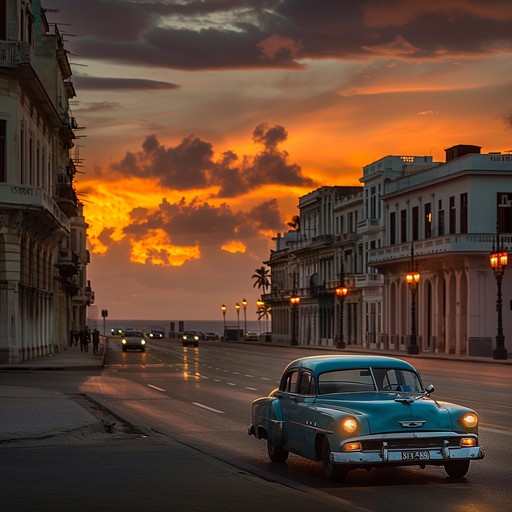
(191, 165)
(120, 84)
(282, 33)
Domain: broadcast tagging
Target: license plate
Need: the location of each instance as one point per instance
(416, 455)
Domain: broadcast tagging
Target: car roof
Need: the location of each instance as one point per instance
(325, 363)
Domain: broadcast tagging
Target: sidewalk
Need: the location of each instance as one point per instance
(70, 359)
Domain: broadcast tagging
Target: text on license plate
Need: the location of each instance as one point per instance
(416, 455)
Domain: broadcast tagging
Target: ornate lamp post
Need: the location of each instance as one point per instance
(244, 305)
(237, 307)
(499, 261)
(412, 279)
(294, 301)
(341, 293)
(223, 309)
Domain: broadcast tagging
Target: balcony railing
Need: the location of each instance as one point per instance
(14, 53)
(439, 245)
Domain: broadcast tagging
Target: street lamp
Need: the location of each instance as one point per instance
(294, 301)
(412, 279)
(223, 309)
(499, 260)
(244, 305)
(237, 307)
(341, 293)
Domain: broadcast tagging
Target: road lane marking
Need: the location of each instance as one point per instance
(251, 389)
(250, 376)
(156, 387)
(207, 408)
(231, 384)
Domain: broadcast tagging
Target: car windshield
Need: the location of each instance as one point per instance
(369, 379)
(134, 334)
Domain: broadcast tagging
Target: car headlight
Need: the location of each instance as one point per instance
(142, 342)
(196, 338)
(470, 420)
(350, 425)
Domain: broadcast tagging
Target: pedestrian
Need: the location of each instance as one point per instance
(71, 337)
(87, 338)
(83, 343)
(95, 340)
(76, 336)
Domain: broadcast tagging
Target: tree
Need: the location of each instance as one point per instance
(295, 223)
(261, 278)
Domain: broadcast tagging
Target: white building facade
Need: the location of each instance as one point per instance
(44, 290)
(440, 219)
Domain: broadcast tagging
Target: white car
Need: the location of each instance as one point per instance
(133, 339)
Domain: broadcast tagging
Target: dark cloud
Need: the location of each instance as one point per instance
(280, 33)
(191, 165)
(120, 84)
(508, 119)
(203, 224)
(99, 106)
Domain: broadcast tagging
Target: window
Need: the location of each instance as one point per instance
(3, 151)
(415, 223)
(3, 19)
(290, 383)
(440, 219)
(306, 384)
(392, 228)
(464, 213)
(403, 226)
(428, 220)
(504, 212)
(453, 216)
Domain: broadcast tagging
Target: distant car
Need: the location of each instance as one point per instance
(190, 338)
(116, 331)
(133, 339)
(211, 336)
(157, 334)
(356, 411)
(251, 336)
(265, 336)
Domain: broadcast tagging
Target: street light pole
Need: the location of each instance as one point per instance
(499, 261)
(341, 293)
(223, 309)
(294, 301)
(244, 305)
(260, 305)
(412, 279)
(237, 307)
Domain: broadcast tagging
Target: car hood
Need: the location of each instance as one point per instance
(394, 412)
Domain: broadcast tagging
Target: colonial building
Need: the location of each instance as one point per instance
(44, 290)
(438, 219)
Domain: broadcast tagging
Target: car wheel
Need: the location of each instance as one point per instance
(143, 350)
(457, 468)
(333, 472)
(196, 344)
(276, 453)
(124, 349)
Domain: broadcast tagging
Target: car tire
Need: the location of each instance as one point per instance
(276, 453)
(124, 349)
(333, 472)
(196, 344)
(457, 468)
(143, 350)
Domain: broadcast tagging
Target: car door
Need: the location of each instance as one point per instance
(295, 399)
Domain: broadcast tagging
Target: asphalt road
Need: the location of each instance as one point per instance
(202, 398)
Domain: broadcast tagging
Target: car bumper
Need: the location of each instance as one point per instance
(422, 454)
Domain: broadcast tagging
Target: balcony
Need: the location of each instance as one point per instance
(16, 53)
(457, 243)
(366, 280)
(34, 200)
(369, 226)
(68, 263)
(67, 199)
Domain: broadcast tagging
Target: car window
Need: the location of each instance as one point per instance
(306, 384)
(396, 379)
(290, 381)
(346, 381)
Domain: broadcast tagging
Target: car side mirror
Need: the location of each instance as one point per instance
(429, 389)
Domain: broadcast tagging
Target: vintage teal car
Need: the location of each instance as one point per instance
(356, 411)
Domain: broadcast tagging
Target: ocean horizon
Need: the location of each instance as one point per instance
(167, 326)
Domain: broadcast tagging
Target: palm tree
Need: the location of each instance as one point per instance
(261, 278)
(295, 223)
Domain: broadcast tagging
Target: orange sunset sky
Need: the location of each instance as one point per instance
(205, 121)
